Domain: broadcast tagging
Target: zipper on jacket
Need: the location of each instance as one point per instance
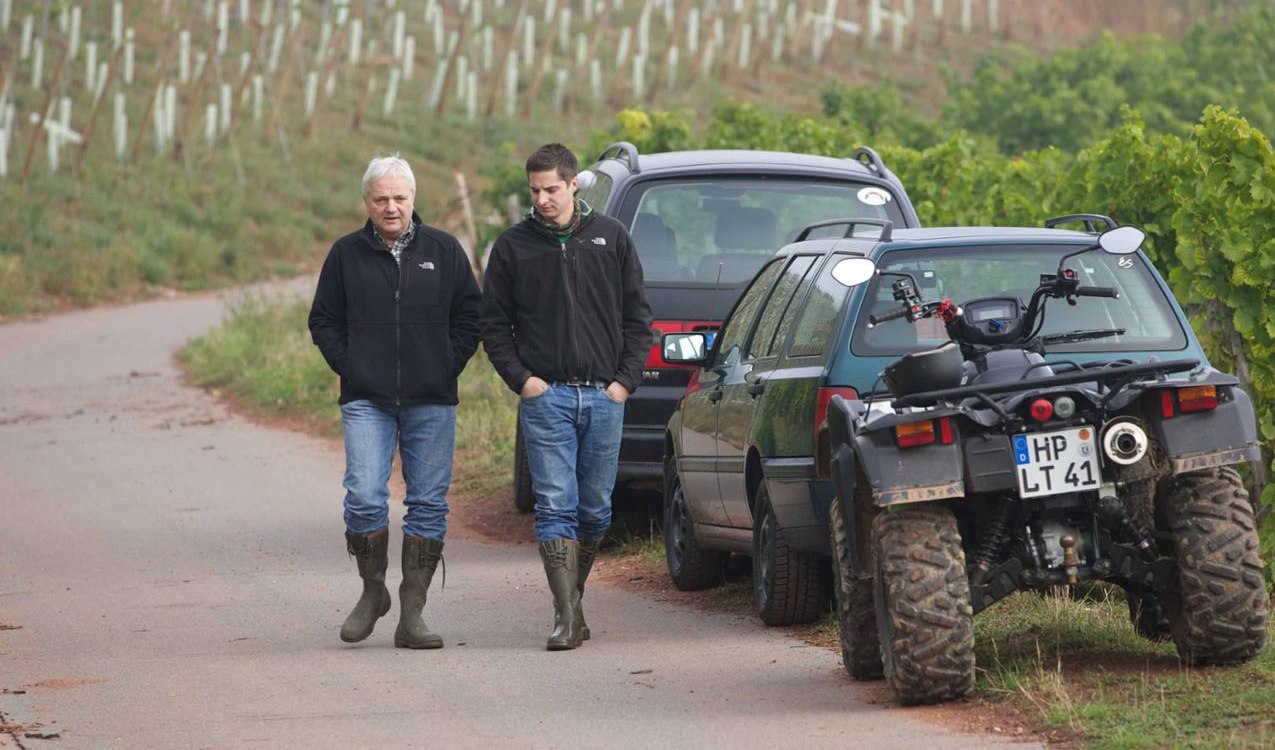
(398, 339)
(571, 287)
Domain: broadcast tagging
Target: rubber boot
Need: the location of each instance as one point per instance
(561, 558)
(420, 560)
(371, 552)
(588, 553)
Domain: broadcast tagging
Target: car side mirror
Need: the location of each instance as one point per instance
(853, 271)
(585, 180)
(1121, 240)
(685, 348)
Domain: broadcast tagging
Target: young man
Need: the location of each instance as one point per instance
(396, 316)
(566, 324)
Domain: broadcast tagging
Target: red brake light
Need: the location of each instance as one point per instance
(1042, 409)
(1197, 398)
(655, 359)
(945, 430)
(1168, 407)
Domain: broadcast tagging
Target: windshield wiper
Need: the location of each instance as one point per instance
(1084, 335)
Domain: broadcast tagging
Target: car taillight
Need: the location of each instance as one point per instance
(654, 358)
(821, 406)
(1187, 400)
(914, 434)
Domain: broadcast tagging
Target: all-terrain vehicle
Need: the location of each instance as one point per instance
(995, 462)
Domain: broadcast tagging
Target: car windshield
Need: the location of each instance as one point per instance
(705, 232)
(966, 273)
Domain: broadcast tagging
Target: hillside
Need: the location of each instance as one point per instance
(188, 143)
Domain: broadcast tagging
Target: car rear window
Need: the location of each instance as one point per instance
(966, 273)
(720, 230)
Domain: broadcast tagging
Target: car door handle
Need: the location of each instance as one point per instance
(715, 395)
(757, 388)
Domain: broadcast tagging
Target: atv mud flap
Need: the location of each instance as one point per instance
(1222, 436)
(909, 475)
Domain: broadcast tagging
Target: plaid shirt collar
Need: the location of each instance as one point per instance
(396, 247)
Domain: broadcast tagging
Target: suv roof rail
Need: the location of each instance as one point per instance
(887, 227)
(869, 158)
(626, 149)
(1091, 221)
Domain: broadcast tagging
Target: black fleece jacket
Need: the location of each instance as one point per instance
(566, 308)
(397, 334)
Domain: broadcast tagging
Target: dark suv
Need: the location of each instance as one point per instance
(748, 459)
(703, 223)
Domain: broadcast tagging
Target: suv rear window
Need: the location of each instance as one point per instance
(720, 230)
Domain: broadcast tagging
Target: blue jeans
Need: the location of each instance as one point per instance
(572, 436)
(426, 436)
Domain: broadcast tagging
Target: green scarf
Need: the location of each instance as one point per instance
(581, 212)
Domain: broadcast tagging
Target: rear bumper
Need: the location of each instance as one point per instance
(641, 454)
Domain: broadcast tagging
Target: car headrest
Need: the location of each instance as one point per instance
(745, 228)
(653, 238)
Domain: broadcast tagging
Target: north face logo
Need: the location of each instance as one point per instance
(600, 241)
(427, 265)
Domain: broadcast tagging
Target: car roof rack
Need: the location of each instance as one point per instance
(1091, 221)
(869, 158)
(887, 227)
(625, 149)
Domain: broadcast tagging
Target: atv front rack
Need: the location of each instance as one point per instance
(1125, 372)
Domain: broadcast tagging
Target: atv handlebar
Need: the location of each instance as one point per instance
(1097, 291)
(884, 317)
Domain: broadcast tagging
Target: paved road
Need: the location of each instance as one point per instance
(172, 576)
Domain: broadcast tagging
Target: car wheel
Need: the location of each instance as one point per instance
(524, 497)
(788, 586)
(1218, 607)
(690, 566)
(856, 616)
(924, 616)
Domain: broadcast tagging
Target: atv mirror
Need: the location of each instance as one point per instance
(1121, 240)
(853, 271)
(685, 348)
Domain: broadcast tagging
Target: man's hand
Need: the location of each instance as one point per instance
(617, 392)
(533, 387)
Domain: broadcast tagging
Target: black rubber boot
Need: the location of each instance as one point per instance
(588, 553)
(371, 552)
(561, 558)
(420, 560)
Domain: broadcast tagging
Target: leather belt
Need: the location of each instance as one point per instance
(582, 383)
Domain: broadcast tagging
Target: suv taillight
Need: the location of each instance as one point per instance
(821, 406)
(1187, 400)
(654, 360)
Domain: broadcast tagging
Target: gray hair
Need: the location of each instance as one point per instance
(381, 166)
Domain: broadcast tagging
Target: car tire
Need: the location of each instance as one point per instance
(924, 616)
(1218, 606)
(690, 566)
(856, 615)
(788, 586)
(524, 496)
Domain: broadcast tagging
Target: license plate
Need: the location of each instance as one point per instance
(1050, 463)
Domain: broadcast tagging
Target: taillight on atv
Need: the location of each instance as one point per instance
(915, 434)
(1042, 410)
(1187, 400)
(1197, 398)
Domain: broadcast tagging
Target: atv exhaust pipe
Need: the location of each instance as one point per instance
(1124, 442)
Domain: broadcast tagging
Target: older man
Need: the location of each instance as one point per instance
(396, 317)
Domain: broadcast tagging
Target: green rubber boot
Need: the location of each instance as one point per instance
(420, 560)
(561, 558)
(371, 552)
(588, 553)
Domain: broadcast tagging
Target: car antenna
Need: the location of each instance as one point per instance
(718, 281)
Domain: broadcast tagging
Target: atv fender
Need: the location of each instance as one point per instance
(1221, 436)
(841, 414)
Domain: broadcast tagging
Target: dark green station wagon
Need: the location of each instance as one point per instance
(747, 454)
